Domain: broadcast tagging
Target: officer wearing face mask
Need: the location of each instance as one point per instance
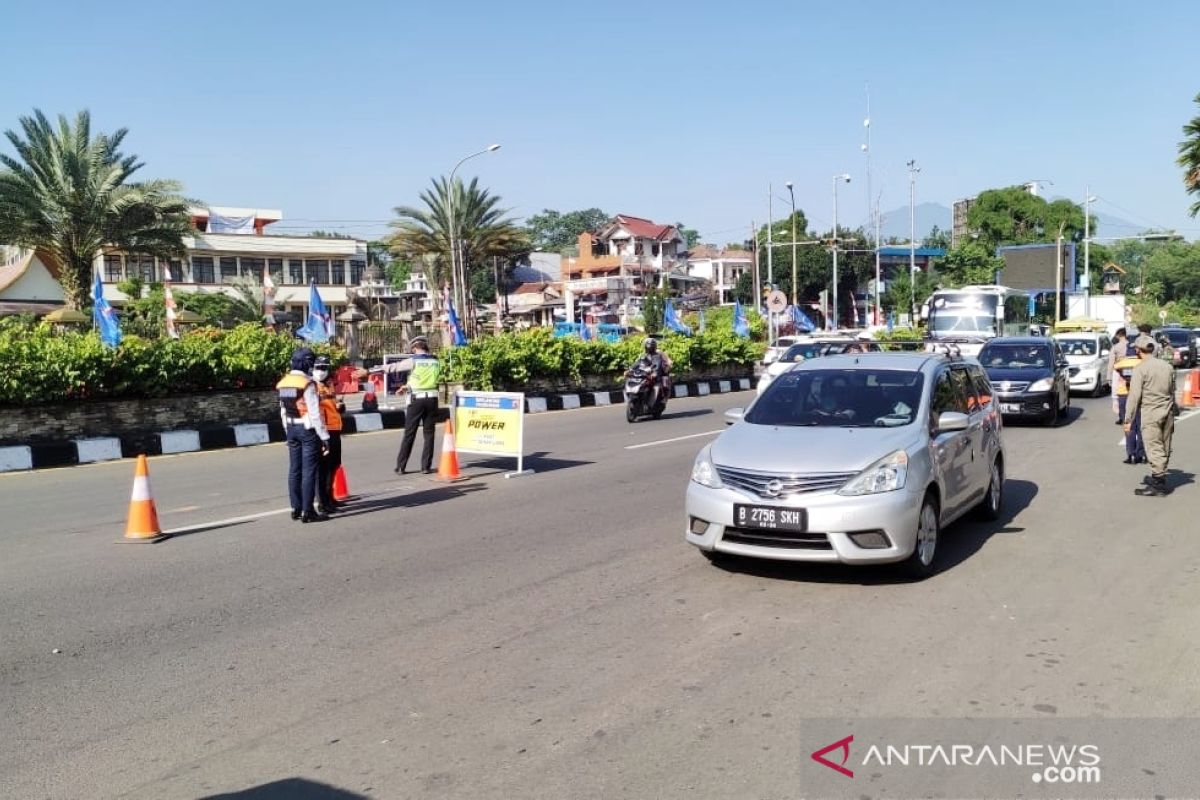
(331, 414)
(307, 436)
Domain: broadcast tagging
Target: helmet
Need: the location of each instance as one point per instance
(418, 341)
(322, 362)
(650, 346)
(302, 359)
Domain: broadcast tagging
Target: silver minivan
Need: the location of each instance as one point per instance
(858, 459)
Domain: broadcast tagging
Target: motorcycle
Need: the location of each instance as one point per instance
(639, 391)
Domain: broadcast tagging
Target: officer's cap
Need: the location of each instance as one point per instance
(1144, 343)
(302, 359)
(419, 341)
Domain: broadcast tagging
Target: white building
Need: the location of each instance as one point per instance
(721, 268)
(232, 244)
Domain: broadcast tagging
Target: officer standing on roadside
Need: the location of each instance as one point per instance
(307, 437)
(424, 373)
(1152, 394)
(331, 414)
(1135, 448)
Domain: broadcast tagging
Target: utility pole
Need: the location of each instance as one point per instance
(757, 272)
(770, 238)
(843, 177)
(496, 280)
(792, 193)
(913, 169)
(1059, 276)
(871, 212)
(1087, 251)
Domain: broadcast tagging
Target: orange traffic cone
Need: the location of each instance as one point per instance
(448, 468)
(143, 516)
(1195, 373)
(1186, 394)
(340, 490)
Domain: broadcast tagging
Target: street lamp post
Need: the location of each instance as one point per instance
(842, 177)
(792, 194)
(1087, 252)
(913, 169)
(456, 284)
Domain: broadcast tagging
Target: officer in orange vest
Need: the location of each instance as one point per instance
(331, 415)
(307, 436)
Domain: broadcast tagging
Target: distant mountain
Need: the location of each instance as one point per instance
(926, 216)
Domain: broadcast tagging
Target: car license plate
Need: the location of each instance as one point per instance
(770, 518)
(1010, 408)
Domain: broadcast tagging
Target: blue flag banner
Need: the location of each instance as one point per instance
(319, 325)
(104, 316)
(457, 337)
(1032, 305)
(671, 320)
(740, 326)
(800, 319)
(584, 333)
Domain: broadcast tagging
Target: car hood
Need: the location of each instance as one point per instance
(1083, 361)
(998, 374)
(785, 449)
(777, 368)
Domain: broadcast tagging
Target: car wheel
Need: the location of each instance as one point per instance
(993, 501)
(1051, 419)
(920, 564)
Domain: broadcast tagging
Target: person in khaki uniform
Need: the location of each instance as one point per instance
(1152, 394)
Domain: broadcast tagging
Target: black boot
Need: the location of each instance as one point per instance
(313, 516)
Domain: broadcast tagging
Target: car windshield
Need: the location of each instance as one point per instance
(801, 352)
(1178, 337)
(944, 322)
(1015, 356)
(1078, 347)
(857, 398)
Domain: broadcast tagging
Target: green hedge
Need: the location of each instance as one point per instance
(43, 366)
(514, 359)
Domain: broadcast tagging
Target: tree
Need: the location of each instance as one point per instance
(1014, 216)
(743, 290)
(1189, 159)
(553, 231)
(969, 263)
(329, 235)
(691, 236)
(900, 291)
(937, 238)
(653, 306)
(69, 193)
(480, 224)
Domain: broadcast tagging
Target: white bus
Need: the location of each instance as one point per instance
(969, 316)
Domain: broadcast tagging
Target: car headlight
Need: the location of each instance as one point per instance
(703, 471)
(1041, 386)
(886, 475)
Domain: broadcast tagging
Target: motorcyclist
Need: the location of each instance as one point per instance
(658, 364)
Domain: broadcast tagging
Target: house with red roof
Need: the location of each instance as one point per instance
(631, 247)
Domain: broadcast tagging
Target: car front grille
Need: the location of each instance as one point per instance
(787, 539)
(1010, 387)
(773, 486)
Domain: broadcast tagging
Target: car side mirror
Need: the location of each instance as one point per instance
(734, 415)
(949, 421)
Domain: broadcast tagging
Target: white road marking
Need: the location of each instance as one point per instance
(216, 523)
(674, 439)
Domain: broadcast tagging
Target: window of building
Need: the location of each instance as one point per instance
(275, 267)
(318, 271)
(337, 272)
(112, 269)
(295, 274)
(229, 269)
(173, 270)
(357, 268)
(202, 269)
(141, 267)
(253, 268)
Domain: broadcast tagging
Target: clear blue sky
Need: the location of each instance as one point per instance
(673, 111)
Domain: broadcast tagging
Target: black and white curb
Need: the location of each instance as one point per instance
(17, 458)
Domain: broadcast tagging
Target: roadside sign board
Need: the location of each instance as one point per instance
(491, 423)
(776, 301)
(392, 381)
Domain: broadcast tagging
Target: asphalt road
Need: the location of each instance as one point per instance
(552, 636)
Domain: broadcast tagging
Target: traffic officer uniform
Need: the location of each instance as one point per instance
(331, 415)
(1152, 394)
(424, 372)
(1135, 448)
(307, 436)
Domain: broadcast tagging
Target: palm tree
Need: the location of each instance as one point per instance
(480, 222)
(69, 194)
(1189, 159)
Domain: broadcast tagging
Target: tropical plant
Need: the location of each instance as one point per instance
(481, 225)
(69, 193)
(1189, 159)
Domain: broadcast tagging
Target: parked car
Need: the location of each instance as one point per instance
(1087, 354)
(859, 459)
(1031, 376)
(773, 352)
(808, 348)
(1183, 342)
